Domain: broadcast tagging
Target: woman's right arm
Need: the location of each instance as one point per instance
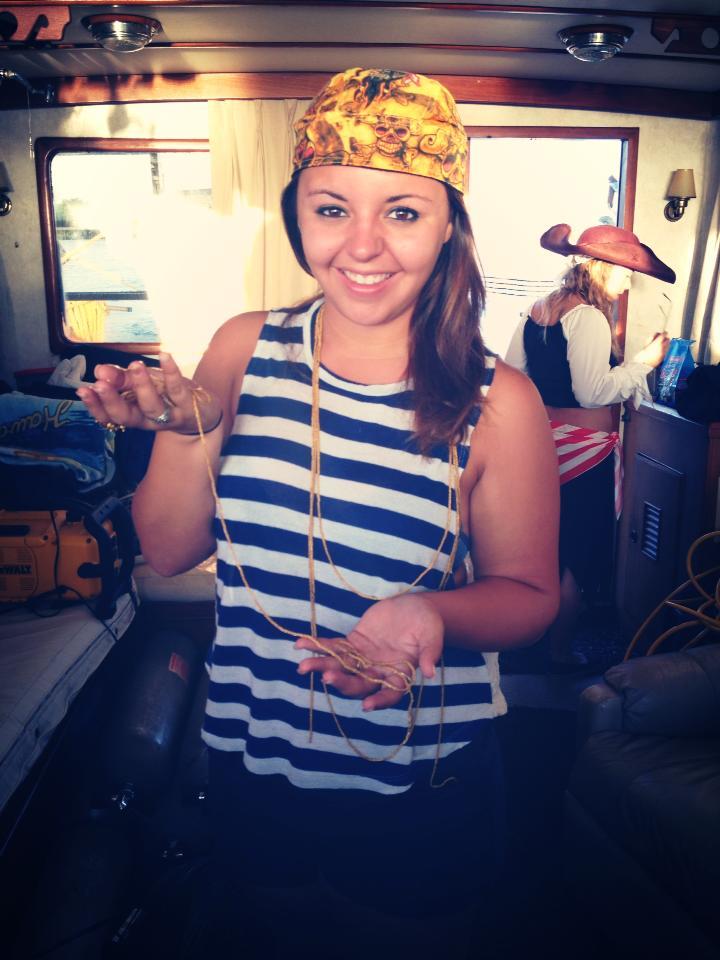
(594, 382)
(173, 507)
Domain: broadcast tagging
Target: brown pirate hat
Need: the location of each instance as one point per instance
(612, 244)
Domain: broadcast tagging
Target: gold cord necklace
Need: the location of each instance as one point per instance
(401, 675)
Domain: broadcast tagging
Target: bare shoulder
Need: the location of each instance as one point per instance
(239, 331)
(233, 343)
(536, 310)
(511, 416)
(222, 367)
(512, 395)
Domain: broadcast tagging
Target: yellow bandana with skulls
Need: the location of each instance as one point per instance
(386, 120)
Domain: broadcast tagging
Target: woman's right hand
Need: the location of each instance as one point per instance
(137, 396)
(654, 352)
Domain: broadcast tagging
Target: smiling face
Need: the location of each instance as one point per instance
(371, 239)
(619, 279)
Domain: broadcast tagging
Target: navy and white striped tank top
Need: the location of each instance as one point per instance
(384, 510)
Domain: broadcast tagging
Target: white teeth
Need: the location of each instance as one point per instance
(366, 279)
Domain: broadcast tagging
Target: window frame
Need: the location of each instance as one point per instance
(46, 149)
(630, 140)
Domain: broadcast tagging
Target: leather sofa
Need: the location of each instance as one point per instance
(642, 807)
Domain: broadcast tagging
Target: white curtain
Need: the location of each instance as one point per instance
(251, 145)
(702, 311)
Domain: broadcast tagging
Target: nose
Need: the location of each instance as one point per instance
(365, 239)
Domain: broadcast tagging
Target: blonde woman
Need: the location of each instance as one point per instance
(567, 346)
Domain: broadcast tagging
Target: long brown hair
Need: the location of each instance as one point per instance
(586, 280)
(446, 352)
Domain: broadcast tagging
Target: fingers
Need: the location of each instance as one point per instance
(122, 397)
(427, 664)
(332, 672)
(117, 409)
(314, 663)
(176, 387)
(383, 698)
(92, 401)
(110, 380)
(349, 685)
(149, 398)
(105, 404)
(377, 684)
(149, 393)
(110, 373)
(307, 643)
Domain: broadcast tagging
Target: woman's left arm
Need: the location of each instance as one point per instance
(513, 517)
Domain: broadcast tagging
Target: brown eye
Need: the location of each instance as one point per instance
(330, 210)
(406, 214)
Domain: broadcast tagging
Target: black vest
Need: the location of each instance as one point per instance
(547, 363)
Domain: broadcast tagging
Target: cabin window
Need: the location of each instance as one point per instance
(113, 212)
(524, 180)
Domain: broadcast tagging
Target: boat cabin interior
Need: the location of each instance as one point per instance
(143, 151)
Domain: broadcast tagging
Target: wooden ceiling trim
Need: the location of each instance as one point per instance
(30, 24)
(689, 35)
(209, 45)
(654, 101)
(461, 7)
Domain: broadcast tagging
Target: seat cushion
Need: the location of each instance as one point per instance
(670, 695)
(659, 797)
(675, 827)
(44, 664)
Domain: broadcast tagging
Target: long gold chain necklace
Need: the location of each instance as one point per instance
(401, 675)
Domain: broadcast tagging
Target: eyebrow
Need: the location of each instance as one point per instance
(394, 199)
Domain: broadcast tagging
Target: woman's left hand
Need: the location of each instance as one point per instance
(397, 635)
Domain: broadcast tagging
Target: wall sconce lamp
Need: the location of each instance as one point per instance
(5, 189)
(681, 189)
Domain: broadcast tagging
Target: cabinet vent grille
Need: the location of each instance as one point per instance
(650, 544)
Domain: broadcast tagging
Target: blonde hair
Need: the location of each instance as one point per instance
(585, 280)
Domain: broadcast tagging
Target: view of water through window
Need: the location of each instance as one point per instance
(115, 213)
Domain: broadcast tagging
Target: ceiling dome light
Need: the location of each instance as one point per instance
(594, 42)
(122, 32)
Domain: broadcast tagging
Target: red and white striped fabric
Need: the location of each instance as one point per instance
(580, 449)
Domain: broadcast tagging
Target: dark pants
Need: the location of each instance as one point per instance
(587, 527)
(422, 855)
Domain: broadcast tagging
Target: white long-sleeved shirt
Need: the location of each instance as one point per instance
(594, 382)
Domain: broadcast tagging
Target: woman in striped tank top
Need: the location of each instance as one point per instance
(379, 540)
(567, 346)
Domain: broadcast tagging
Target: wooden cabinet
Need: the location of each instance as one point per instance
(671, 497)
